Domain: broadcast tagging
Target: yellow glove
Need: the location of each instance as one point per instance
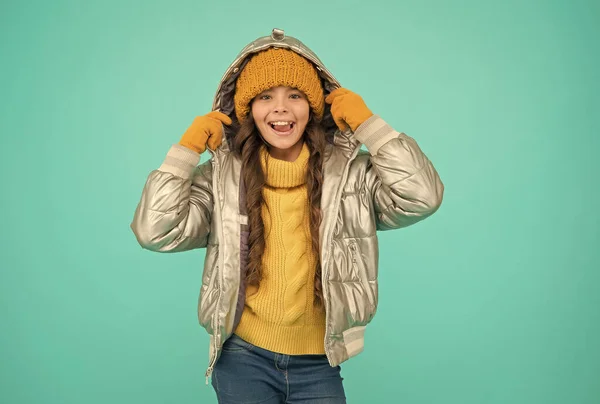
(347, 108)
(205, 129)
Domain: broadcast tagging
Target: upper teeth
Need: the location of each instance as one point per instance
(281, 123)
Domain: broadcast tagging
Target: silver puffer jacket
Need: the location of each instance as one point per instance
(185, 205)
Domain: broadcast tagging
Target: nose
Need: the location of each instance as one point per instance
(280, 108)
(280, 105)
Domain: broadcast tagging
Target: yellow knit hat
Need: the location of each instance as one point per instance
(277, 67)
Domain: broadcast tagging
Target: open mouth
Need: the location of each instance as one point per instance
(282, 127)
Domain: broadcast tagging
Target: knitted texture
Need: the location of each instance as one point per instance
(205, 130)
(348, 109)
(280, 315)
(277, 67)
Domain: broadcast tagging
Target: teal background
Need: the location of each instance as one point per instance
(494, 299)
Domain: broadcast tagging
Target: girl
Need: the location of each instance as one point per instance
(287, 207)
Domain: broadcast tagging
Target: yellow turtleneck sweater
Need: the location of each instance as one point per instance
(280, 315)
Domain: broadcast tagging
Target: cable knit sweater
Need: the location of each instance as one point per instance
(280, 315)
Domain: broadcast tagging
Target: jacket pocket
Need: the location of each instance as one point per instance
(357, 260)
(209, 290)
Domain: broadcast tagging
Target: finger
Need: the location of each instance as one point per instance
(331, 96)
(338, 114)
(341, 123)
(336, 93)
(214, 127)
(215, 135)
(219, 116)
(337, 108)
(215, 140)
(202, 136)
(338, 118)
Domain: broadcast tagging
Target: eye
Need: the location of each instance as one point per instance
(263, 97)
(296, 96)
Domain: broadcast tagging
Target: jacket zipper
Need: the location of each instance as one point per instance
(212, 323)
(215, 349)
(324, 274)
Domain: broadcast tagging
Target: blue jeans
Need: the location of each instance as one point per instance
(247, 374)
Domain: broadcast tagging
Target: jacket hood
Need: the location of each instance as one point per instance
(223, 100)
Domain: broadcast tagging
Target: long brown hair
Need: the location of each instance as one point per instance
(246, 145)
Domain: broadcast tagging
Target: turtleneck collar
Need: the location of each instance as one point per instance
(284, 174)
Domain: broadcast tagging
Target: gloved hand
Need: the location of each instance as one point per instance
(347, 108)
(206, 129)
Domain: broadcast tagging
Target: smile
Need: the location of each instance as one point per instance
(282, 127)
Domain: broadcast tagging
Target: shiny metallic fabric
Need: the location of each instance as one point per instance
(185, 206)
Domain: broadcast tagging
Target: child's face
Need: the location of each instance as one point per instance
(285, 105)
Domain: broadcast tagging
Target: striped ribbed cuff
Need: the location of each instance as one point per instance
(180, 161)
(374, 133)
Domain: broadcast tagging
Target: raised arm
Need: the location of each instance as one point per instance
(404, 184)
(175, 209)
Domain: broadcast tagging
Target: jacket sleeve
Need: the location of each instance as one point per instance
(176, 205)
(403, 182)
